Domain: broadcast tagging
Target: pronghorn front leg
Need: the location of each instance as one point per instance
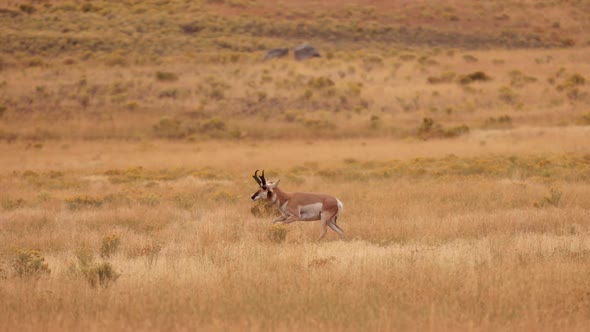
(290, 219)
(278, 219)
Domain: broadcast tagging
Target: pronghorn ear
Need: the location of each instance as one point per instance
(274, 185)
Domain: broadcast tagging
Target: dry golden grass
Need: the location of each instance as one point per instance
(341, 97)
(424, 250)
(129, 131)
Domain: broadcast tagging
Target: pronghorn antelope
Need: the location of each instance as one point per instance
(300, 206)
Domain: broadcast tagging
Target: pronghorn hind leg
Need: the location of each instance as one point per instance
(324, 226)
(290, 219)
(324, 230)
(335, 227)
(279, 219)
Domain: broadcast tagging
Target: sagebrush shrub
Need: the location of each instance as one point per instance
(101, 274)
(277, 233)
(30, 263)
(110, 245)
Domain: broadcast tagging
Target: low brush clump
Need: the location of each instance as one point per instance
(501, 122)
(430, 129)
(150, 252)
(584, 119)
(29, 263)
(263, 210)
(277, 233)
(446, 77)
(83, 202)
(9, 204)
(478, 76)
(96, 274)
(552, 200)
(136, 174)
(164, 76)
(109, 245)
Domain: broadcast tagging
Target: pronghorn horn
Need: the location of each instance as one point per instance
(263, 179)
(255, 176)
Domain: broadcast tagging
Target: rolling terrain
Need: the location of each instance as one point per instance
(455, 133)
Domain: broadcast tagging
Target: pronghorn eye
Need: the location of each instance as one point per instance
(264, 187)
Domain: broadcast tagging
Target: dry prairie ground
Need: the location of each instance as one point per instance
(441, 235)
(193, 70)
(456, 134)
(382, 96)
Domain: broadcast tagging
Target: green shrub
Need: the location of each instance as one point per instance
(166, 76)
(10, 204)
(85, 256)
(263, 209)
(552, 200)
(446, 77)
(320, 82)
(456, 131)
(376, 122)
(585, 119)
(474, 77)
(115, 60)
(169, 128)
(169, 93)
(101, 274)
(83, 201)
(501, 122)
(321, 262)
(190, 28)
(430, 129)
(575, 80)
(110, 245)
(518, 79)
(88, 8)
(213, 124)
(224, 196)
(470, 58)
(29, 263)
(25, 8)
(507, 95)
(277, 233)
(96, 274)
(151, 253)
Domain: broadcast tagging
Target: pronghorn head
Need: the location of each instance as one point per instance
(266, 188)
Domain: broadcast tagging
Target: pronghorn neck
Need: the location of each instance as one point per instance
(280, 197)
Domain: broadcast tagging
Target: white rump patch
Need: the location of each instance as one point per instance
(311, 211)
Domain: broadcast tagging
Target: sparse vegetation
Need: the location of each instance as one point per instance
(96, 274)
(277, 233)
(109, 245)
(129, 131)
(477, 76)
(501, 122)
(29, 263)
(101, 274)
(552, 200)
(430, 129)
(166, 76)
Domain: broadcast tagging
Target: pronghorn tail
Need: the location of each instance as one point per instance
(340, 207)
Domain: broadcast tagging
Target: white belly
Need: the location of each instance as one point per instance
(310, 212)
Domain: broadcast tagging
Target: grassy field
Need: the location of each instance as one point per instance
(456, 135)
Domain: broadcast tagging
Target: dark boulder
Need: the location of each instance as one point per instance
(276, 53)
(306, 51)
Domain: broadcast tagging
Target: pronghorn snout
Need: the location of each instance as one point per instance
(256, 195)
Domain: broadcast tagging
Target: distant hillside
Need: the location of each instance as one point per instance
(147, 30)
